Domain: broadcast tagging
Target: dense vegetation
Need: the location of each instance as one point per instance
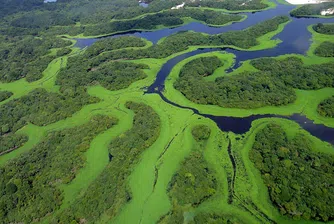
(311, 9)
(325, 49)
(326, 107)
(11, 142)
(112, 75)
(109, 191)
(194, 182)
(30, 184)
(110, 44)
(299, 180)
(213, 218)
(201, 132)
(40, 108)
(181, 41)
(166, 18)
(27, 57)
(297, 75)
(245, 90)
(324, 28)
(4, 95)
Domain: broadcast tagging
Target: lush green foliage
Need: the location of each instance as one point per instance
(4, 95)
(30, 184)
(324, 28)
(109, 192)
(11, 142)
(27, 57)
(213, 218)
(201, 132)
(297, 75)
(311, 9)
(326, 107)
(325, 49)
(299, 180)
(181, 41)
(63, 51)
(245, 90)
(110, 44)
(40, 108)
(113, 75)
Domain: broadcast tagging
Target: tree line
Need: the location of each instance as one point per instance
(324, 28)
(299, 179)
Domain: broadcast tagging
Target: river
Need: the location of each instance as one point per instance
(295, 37)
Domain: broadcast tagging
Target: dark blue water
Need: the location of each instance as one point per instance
(295, 37)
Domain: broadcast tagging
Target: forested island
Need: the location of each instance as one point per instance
(182, 111)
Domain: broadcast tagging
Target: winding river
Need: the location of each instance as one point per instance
(295, 37)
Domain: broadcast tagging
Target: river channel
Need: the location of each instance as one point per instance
(295, 37)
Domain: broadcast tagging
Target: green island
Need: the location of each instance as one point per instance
(313, 10)
(131, 129)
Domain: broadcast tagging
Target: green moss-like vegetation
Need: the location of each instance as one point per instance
(312, 9)
(40, 108)
(30, 184)
(27, 57)
(325, 49)
(298, 179)
(246, 90)
(324, 28)
(109, 191)
(326, 107)
(4, 95)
